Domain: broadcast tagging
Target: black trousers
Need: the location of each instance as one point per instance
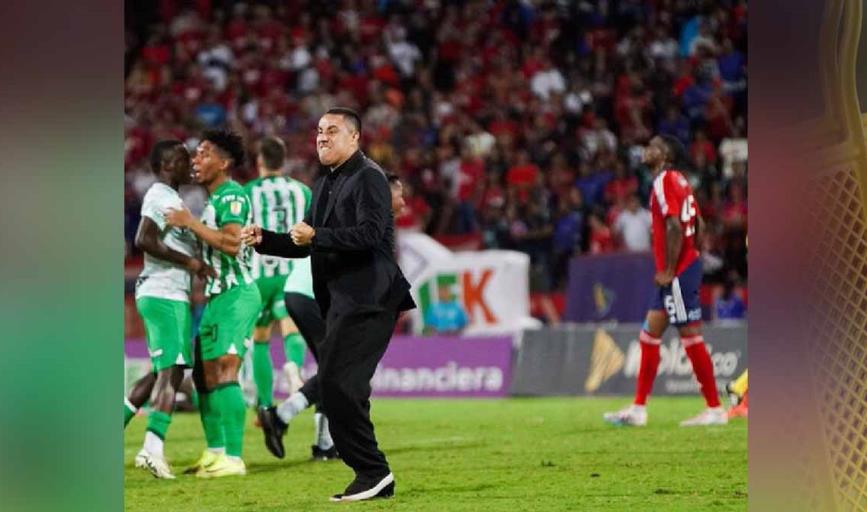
(354, 343)
(305, 312)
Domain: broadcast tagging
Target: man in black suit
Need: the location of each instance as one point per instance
(305, 312)
(349, 234)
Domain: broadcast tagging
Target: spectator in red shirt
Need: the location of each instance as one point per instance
(416, 213)
(734, 211)
(522, 176)
(601, 239)
(622, 186)
(469, 182)
(701, 145)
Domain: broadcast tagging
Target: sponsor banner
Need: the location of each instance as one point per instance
(492, 287)
(411, 367)
(609, 287)
(588, 360)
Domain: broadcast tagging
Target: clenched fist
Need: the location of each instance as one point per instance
(302, 234)
(251, 235)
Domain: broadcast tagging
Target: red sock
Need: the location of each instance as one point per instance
(702, 367)
(648, 368)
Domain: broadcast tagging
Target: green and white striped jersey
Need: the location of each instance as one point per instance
(227, 205)
(279, 202)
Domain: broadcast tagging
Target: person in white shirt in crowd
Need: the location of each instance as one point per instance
(632, 226)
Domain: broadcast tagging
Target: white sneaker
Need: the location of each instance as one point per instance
(709, 416)
(631, 415)
(157, 466)
(140, 459)
(293, 376)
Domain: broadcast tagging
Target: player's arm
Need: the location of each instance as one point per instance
(699, 231)
(227, 239)
(673, 243)
(147, 239)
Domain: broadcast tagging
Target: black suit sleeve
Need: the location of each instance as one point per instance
(280, 244)
(372, 212)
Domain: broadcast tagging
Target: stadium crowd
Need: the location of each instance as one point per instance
(513, 124)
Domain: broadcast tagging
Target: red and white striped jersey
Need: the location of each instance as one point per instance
(672, 197)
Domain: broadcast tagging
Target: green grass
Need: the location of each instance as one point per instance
(518, 454)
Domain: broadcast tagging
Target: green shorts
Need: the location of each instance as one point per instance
(300, 280)
(168, 329)
(227, 322)
(273, 306)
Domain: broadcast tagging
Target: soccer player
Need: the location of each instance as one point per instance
(233, 302)
(162, 297)
(278, 202)
(676, 224)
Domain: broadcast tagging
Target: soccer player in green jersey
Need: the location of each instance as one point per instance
(233, 301)
(162, 297)
(279, 202)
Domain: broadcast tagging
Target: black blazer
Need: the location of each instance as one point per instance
(352, 253)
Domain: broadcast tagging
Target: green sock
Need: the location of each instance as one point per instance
(129, 411)
(158, 423)
(230, 400)
(210, 415)
(294, 346)
(263, 373)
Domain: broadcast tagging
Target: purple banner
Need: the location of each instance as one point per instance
(419, 367)
(609, 287)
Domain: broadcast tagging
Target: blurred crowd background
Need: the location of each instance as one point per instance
(513, 124)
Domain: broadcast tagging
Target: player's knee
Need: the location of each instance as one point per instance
(177, 376)
(287, 327)
(227, 368)
(689, 339)
(690, 330)
(211, 380)
(262, 334)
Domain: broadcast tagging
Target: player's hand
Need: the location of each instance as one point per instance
(208, 271)
(664, 278)
(251, 235)
(201, 269)
(302, 233)
(181, 218)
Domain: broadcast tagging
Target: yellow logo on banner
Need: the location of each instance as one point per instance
(603, 299)
(607, 359)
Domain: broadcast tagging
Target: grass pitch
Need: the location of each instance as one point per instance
(545, 454)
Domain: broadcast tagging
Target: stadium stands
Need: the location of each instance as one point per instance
(514, 124)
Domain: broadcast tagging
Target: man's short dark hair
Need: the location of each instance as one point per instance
(393, 179)
(348, 114)
(676, 151)
(160, 151)
(228, 142)
(273, 153)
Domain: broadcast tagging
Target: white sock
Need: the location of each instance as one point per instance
(292, 406)
(218, 451)
(234, 458)
(153, 444)
(322, 437)
(637, 407)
